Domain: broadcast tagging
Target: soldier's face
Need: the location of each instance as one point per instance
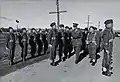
(11, 30)
(33, 30)
(24, 31)
(91, 30)
(109, 25)
(54, 27)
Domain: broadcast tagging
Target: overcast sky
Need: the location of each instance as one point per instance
(35, 13)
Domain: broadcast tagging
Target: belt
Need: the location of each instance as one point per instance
(24, 40)
(77, 38)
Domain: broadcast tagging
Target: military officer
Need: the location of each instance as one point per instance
(77, 41)
(108, 37)
(32, 42)
(11, 45)
(53, 42)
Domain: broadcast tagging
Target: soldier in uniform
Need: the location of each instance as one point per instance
(24, 44)
(39, 42)
(11, 45)
(61, 41)
(66, 43)
(108, 37)
(85, 33)
(32, 42)
(45, 42)
(77, 41)
(70, 42)
(92, 42)
(53, 42)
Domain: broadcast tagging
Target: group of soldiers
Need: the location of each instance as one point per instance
(66, 41)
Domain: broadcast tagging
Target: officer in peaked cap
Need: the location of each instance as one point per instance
(108, 37)
(77, 41)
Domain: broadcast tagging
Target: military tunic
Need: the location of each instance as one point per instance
(77, 42)
(53, 40)
(108, 37)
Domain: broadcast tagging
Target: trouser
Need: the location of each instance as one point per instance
(45, 46)
(77, 51)
(92, 50)
(33, 49)
(60, 44)
(24, 50)
(106, 62)
(11, 54)
(66, 48)
(39, 49)
(53, 50)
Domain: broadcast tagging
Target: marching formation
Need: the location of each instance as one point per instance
(65, 41)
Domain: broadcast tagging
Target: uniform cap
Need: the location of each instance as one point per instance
(75, 24)
(92, 27)
(61, 25)
(70, 28)
(33, 29)
(86, 29)
(108, 21)
(52, 24)
(67, 27)
(10, 28)
(23, 28)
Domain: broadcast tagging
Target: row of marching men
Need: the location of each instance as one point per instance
(66, 41)
(91, 42)
(36, 39)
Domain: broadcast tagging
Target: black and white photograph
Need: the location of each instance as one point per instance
(59, 41)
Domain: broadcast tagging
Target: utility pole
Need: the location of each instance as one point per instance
(88, 22)
(99, 25)
(58, 13)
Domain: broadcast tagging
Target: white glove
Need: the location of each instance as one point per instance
(87, 42)
(6, 48)
(107, 51)
(110, 40)
(50, 45)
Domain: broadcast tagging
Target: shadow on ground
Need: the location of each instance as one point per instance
(19, 64)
